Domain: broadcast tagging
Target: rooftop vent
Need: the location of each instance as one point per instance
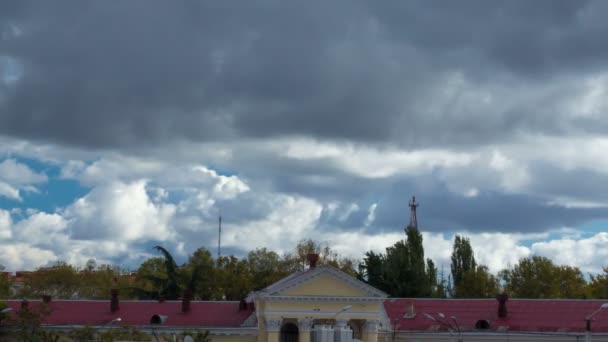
(410, 313)
(114, 301)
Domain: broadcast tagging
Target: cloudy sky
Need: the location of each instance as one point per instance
(128, 124)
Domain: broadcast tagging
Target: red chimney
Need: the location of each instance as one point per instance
(46, 299)
(502, 304)
(312, 259)
(114, 302)
(186, 300)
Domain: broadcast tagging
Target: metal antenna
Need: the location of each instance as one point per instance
(219, 238)
(413, 219)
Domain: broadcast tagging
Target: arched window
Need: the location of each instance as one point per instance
(482, 324)
(289, 332)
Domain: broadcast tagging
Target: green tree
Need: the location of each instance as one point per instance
(60, 280)
(478, 283)
(28, 322)
(265, 267)
(539, 277)
(296, 261)
(5, 283)
(82, 334)
(372, 270)
(403, 271)
(124, 333)
(199, 274)
(463, 261)
(151, 278)
(171, 289)
(598, 285)
(232, 278)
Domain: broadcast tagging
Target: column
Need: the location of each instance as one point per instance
(304, 329)
(370, 330)
(273, 329)
(342, 333)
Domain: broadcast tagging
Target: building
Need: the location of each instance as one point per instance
(324, 304)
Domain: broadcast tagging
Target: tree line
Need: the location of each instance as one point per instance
(402, 271)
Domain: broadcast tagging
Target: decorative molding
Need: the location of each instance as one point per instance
(340, 323)
(300, 278)
(305, 324)
(319, 314)
(273, 324)
(323, 299)
(371, 325)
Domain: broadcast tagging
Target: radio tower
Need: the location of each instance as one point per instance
(413, 206)
(219, 238)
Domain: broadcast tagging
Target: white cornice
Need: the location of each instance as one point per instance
(300, 278)
(322, 299)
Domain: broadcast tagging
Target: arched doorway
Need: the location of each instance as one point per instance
(289, 332)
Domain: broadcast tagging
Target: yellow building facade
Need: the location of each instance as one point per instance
(320, 304)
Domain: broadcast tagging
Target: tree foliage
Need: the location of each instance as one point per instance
(403, 271)
(539, 277)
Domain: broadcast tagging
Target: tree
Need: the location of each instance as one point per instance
(151, 279)
(60, 280)
(5, 283)
(199, 274)
(296, 261)
(478, 283)
(463, 261)
(28, 320)
(538, 277)
(232, 278)
(171, 289)
(598, 285)
(403, 271)
(265, 267)
(372, 270)
(124, 333)
(82, 334)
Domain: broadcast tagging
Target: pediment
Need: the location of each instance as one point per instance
(322, 281)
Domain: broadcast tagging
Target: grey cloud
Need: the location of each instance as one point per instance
(148, 72)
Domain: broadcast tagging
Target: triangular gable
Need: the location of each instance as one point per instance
(322, 281)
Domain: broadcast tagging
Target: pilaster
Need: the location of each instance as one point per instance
(304, 329)
(370, 330)
(273, 329)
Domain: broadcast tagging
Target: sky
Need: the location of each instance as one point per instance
(130, 124)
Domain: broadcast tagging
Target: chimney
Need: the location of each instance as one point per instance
(242, 305)
(502, 304)
(186, 300)
(24, 304)
(114, 302)
(312, 259)
(410, 313)
(46, 299)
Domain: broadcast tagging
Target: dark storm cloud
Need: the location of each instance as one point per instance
(442, 211)
(118, 74)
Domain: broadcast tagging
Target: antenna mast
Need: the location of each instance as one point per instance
(219, 238)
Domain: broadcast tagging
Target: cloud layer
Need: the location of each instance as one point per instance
(302, 120)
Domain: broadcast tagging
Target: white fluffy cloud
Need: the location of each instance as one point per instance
(587, 253)
(15, 176)
(119, 211)
(5, 225)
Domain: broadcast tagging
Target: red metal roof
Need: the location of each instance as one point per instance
(523, 314)
(92, 312)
